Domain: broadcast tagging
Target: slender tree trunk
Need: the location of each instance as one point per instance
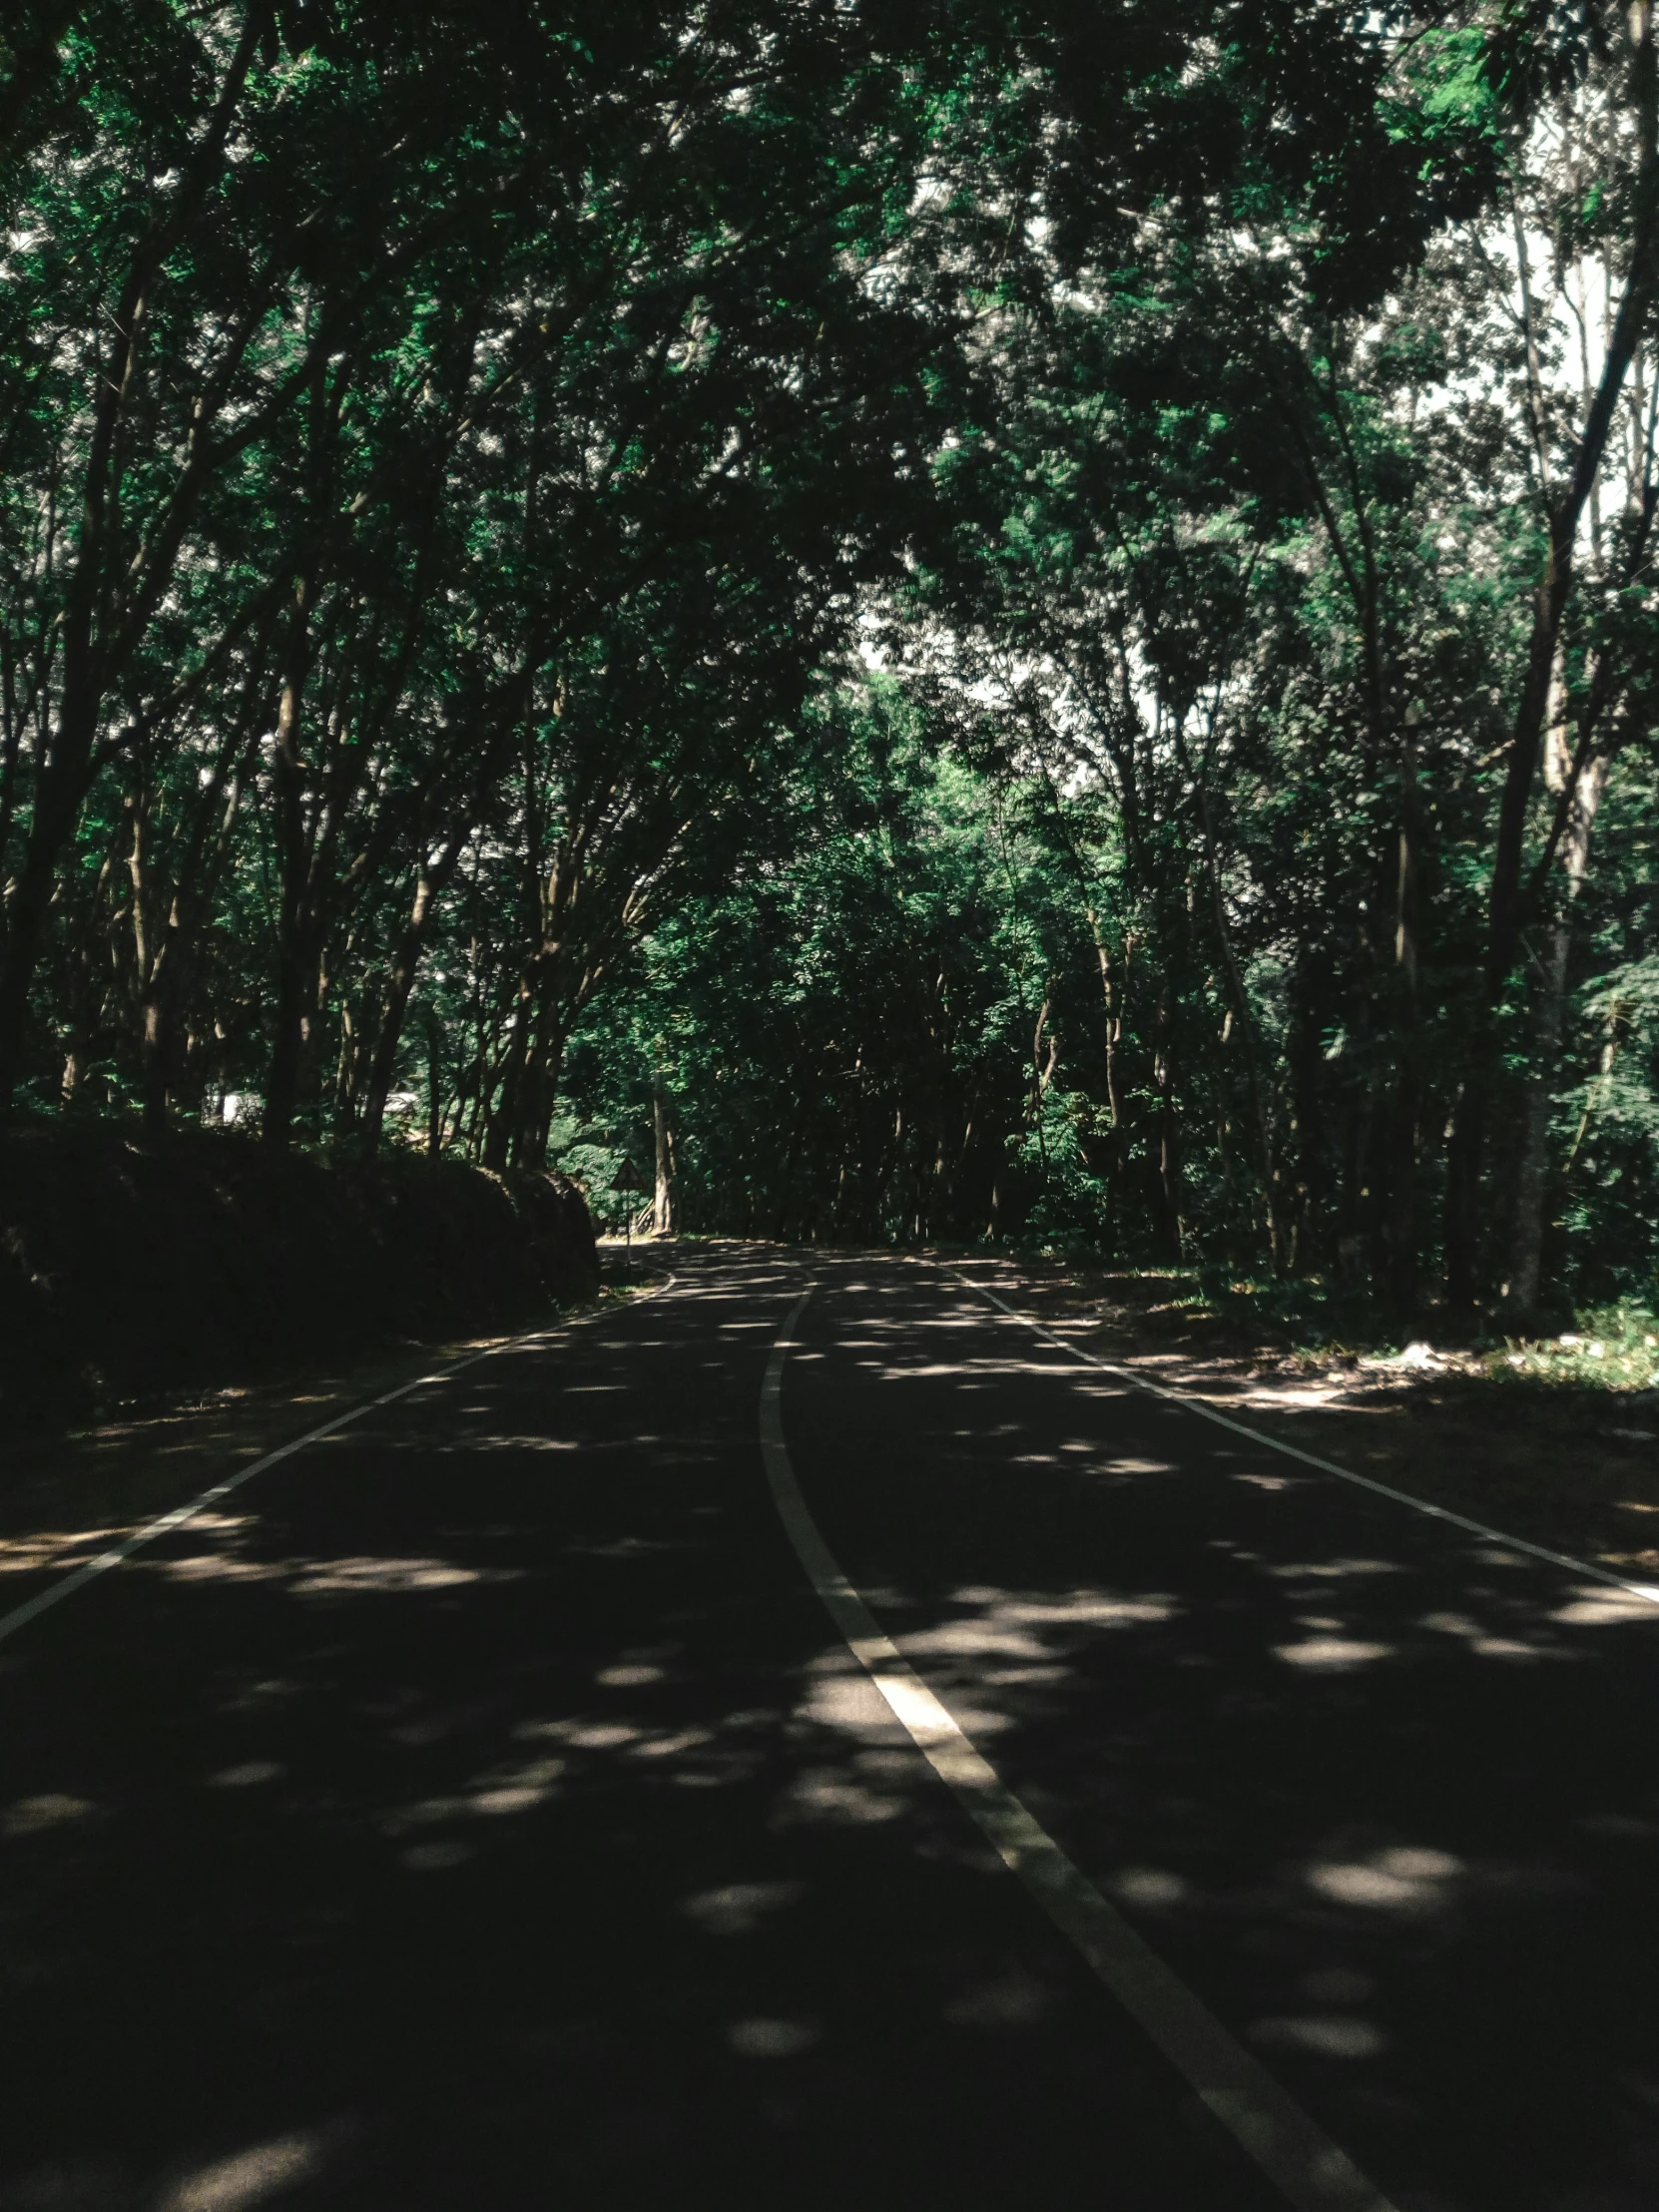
(665, 1210)
(1112, 1037)
(1507, 904)
(295, 963)
(1533, 1175)
(1406, 1109)
(435, 1086)
(297, 999)
(58, 797)
(405, 966)
(542, 1069)
(1259, 1109)
(89, 968)
(165, 1051)
(503, 1119)
(1169, 1161)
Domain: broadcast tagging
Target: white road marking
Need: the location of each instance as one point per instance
(1299, 2159)
(1644, 1590)
(66, 1585)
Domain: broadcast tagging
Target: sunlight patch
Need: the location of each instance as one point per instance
(1148, 1885)
(1596, 1608)
(1332, 1654)
(251, 2177)
(847, 1703)
(56, 1548)
(1329, 2035)
(843, 1799)
(435, 1857)
(764, 2039)
(1334, 1568)
(741, 1906)
(368, 1574)
(1401, 1879)
(31, 1816)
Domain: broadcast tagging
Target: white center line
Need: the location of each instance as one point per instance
(1310, 2171)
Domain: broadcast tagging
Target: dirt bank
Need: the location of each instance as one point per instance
(128, 1268)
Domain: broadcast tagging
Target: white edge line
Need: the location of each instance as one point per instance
(1644, 1590)
(1310, 2170)
(78, 1577)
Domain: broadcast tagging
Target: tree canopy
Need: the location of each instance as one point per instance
(1028, 620)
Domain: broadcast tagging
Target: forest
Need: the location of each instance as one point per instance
(1012, 622)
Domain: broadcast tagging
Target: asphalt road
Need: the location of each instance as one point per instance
(481, 1809)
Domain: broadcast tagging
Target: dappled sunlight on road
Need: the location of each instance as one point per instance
(1398, 1880)
(1329, 1652)
(512, 1749)
(36, 1815)
(257, 2176)
(1595, 1606)
(235, 1559)
(739, 1908)
(57, 1548)
(1250, 1703)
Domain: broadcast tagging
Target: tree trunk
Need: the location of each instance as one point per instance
(57, 808)
(1406, 1109)
(502, 1126)
(294, 952)
(665, 1212)
(1508, 904)
(1528, 1228)
(540, 1085)
(90, 666)
(1169, 1164)
(405, 966)
(435, 1086)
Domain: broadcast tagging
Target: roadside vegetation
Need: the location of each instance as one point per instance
(1554, 1440)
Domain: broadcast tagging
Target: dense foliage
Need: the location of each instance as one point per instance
(930, 619)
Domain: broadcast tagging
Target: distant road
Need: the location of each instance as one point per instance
(481, 1809)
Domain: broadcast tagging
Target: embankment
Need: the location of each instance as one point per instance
(128, 1267)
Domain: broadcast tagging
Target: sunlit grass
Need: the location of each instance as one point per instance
(1612, 1348)
(1315, 1324)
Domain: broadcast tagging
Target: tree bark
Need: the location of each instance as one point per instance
(91, 659)
(665, 1210)
(1405, 1107)
(503, 1120)
(1533, 1177)
(1169, 1163)
(431, 882)
(296, 956)
(1508, 905)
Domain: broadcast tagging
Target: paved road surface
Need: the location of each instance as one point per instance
(481, 1809)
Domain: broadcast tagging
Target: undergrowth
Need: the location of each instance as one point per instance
(1610, 1348)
